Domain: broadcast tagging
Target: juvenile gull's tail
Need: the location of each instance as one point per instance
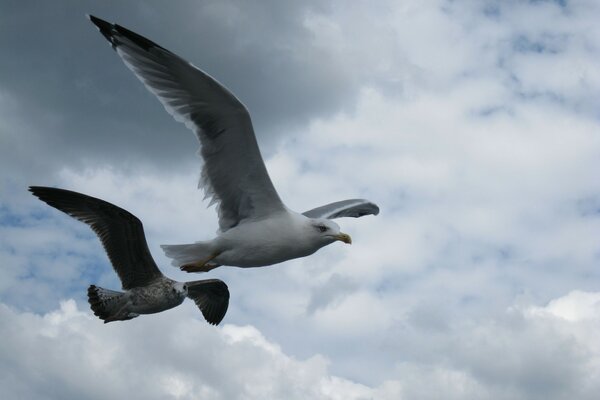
(108, 304)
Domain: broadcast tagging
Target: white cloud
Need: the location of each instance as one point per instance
(577, 306)
(475, 132)
(466, 224)
(70, 354)
(523, 353)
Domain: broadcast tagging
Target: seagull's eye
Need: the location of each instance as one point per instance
(321, 228)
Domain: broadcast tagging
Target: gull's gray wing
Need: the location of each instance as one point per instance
(233, 174)
(346, 208)
(120, 232)
(211, 296)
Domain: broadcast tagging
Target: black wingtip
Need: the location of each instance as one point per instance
(39, 191)
(112, 31)
(375, 209)
(105, 28)
(43, 190)
(49, 195)
(101, 24)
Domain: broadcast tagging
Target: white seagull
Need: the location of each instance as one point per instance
(255, 227)
(146, 289)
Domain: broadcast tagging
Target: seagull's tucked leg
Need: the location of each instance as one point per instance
(202, 265)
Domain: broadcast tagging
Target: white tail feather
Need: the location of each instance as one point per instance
(187, 253)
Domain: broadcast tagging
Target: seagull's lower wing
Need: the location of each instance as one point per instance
(120, 232)
(211, 296)
(346, 208)
(234, 174)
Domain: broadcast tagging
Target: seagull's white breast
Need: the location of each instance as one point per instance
(280, 237)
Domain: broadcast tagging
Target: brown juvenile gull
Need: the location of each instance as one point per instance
(255, 227)
(145, 289)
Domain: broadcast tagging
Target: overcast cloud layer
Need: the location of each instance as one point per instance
(474, 126)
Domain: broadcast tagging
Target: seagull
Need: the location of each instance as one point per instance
(145, 289)
(255, 228)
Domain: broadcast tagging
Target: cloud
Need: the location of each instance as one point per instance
(472, 125)
(75, 100)
(335, 289)
(577, 306)
(68, 353)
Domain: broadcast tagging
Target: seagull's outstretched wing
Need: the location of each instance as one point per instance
(346, 208)
(120, 232)
(233, 174)
(211, 296)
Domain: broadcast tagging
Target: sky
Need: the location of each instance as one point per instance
(474, 125)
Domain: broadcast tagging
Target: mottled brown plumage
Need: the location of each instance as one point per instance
(146, 289)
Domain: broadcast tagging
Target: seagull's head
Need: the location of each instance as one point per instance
(326, 231)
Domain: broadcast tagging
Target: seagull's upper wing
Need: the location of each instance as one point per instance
(211, 296)
(233, 174)
(346, 208)
(120, 232)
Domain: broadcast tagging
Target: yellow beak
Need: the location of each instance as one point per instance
(344, 238)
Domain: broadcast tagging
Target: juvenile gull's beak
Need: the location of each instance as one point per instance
(344, 238)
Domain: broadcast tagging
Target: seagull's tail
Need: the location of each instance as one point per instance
(108, 305)
(187, 253)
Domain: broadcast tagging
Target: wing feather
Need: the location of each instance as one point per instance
(233, 174)
(211, 296)
(120, 232)
(346, 208)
